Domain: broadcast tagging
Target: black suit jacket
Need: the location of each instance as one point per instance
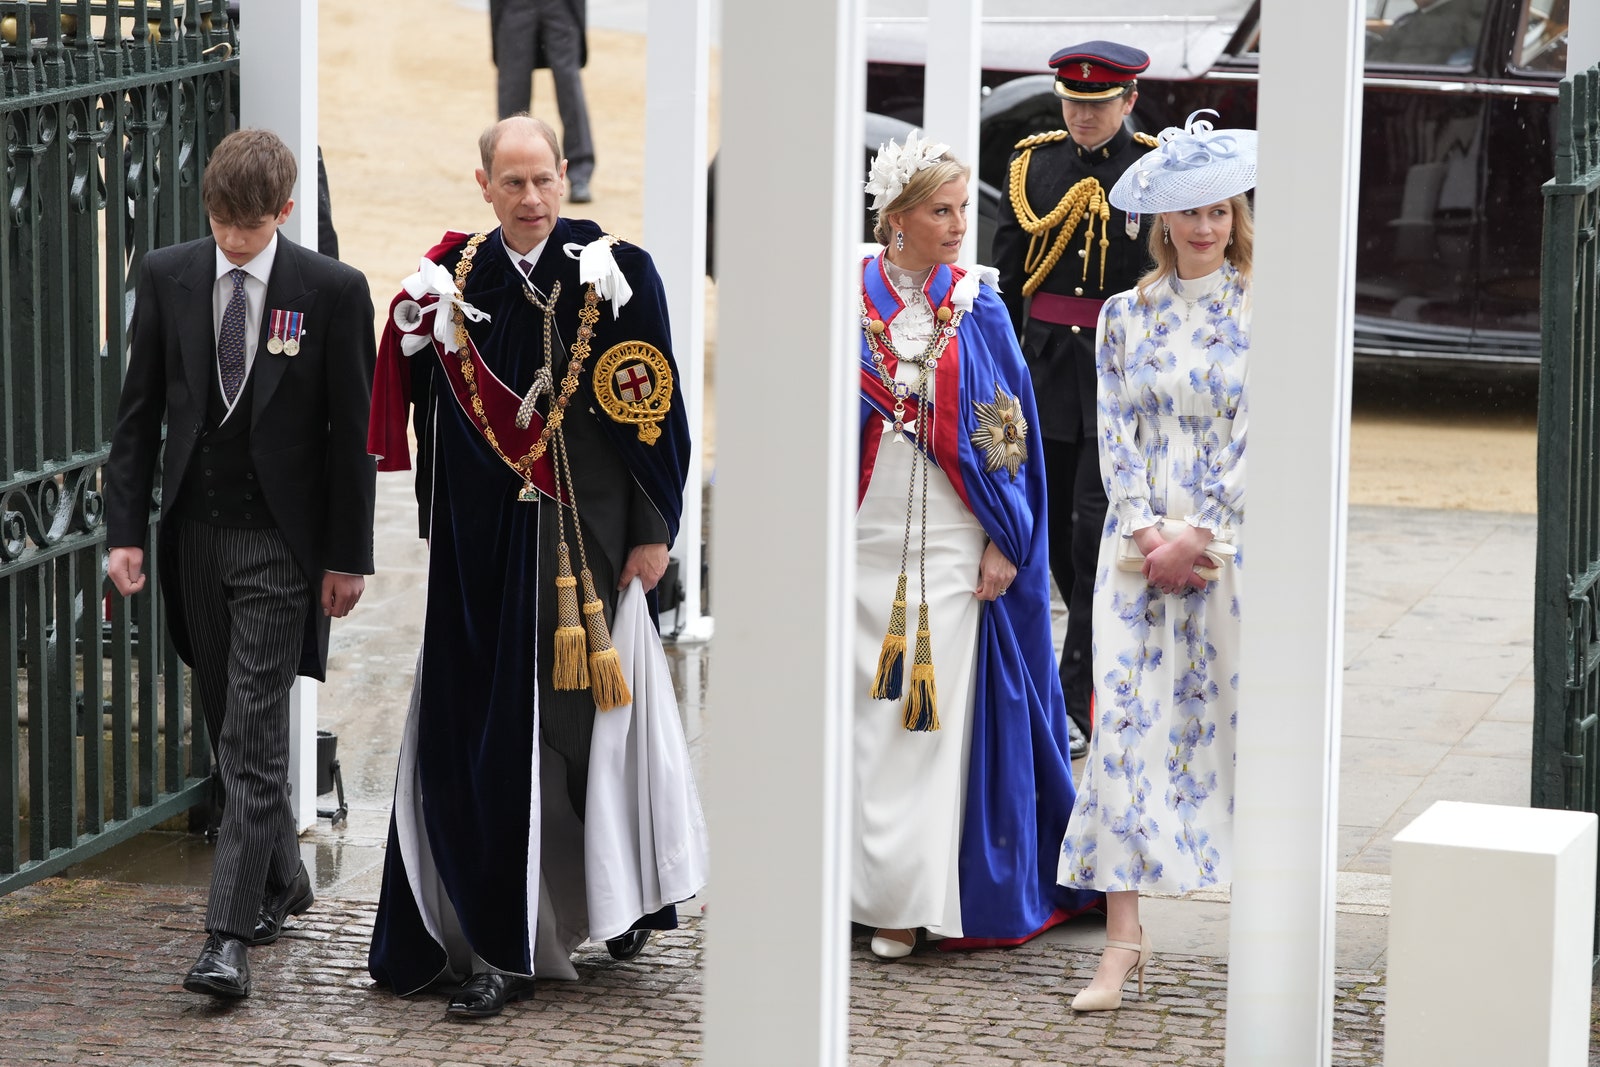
(541, 60)
(308, 418)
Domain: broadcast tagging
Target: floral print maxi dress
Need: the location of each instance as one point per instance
(1154, 809)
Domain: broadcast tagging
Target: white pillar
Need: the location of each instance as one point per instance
(1280, 979)
(1527, 966)
(676, 99)
(1583, 36)
(278, 92)
(789, 209)
(952, 81)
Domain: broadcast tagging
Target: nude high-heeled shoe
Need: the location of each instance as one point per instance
(1111, 999)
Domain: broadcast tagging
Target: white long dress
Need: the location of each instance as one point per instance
(1155, 806)
(909, 784)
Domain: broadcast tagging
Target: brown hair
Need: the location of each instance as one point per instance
(923, 184)
(249, 176)
(489, 139)
(1241, 253)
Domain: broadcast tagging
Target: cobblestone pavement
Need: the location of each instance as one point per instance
(89, 974)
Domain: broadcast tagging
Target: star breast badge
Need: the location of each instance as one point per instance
(1002, 433)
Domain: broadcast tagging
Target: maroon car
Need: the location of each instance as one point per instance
(1457, 138)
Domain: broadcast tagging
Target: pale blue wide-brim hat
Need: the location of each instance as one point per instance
(1191, 167)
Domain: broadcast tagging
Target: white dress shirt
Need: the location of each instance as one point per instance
(531, 258)
(257, 271)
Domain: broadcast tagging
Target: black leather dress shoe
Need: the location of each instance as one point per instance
(628, 945)
(580, 193)
(488, 994)
(223, 969)
(295, 899)
(1078, 745)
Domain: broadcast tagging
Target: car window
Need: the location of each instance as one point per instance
(1425, 33)
(1542, 36)
(1418, 33)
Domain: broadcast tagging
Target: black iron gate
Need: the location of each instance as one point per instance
(1566, 635)
(110, 111)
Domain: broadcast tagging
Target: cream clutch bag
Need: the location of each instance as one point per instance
(1220, 553)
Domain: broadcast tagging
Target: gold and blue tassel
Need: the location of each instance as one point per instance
(890, 680)
(922, 704)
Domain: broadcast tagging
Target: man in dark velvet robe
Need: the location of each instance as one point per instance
(484, 880)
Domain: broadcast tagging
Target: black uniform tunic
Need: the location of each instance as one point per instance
(1061, 360)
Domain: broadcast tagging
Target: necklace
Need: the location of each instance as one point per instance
(881, 347)
(544, 378)
(921, 702)
(588, 315)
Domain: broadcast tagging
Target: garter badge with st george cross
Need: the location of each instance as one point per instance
(633, 383)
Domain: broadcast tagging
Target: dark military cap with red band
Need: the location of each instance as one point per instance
(1097, 70)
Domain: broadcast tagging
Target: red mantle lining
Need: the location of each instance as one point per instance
(500, 406)
(946, 403)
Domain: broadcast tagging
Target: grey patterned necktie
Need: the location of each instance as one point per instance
(230, 340)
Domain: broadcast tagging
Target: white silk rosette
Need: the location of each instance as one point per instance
(597, 265)
(431, 288)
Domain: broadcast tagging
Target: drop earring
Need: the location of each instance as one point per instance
(1165, 230)
(899, 241)
(1230, 240)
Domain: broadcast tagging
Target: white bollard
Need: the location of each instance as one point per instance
(1491, 930)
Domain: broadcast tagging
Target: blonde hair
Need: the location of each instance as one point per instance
(1241, 253)
(923, 184)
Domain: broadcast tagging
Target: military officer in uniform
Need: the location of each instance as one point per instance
(1061, 249)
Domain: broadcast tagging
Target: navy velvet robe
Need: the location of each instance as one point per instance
(486, 641)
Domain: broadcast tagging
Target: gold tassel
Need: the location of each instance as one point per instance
(1088, 233)
(1105, 242)
(571, 669)
(890, 681)
(610, 689)
(922, 705)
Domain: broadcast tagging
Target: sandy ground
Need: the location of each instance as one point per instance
(407, 87)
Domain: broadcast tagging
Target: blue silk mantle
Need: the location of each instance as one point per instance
(1019, 790)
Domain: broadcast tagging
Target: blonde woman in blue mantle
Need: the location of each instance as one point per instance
(1154, 810)
(963, 782)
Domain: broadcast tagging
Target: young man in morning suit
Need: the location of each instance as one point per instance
(1044, 249)
(258, 355)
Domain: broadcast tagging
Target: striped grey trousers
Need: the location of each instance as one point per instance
(245, 600)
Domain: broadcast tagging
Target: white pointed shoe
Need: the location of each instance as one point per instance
(891, 948)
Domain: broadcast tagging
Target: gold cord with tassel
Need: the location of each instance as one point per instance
(571, 667)
(922, 704)
(1105, 241)
(920, 712)
(892, 659)
(890, 679)
(606, 683)
(1086, 199)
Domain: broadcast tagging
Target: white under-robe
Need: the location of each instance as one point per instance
(910, 785)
